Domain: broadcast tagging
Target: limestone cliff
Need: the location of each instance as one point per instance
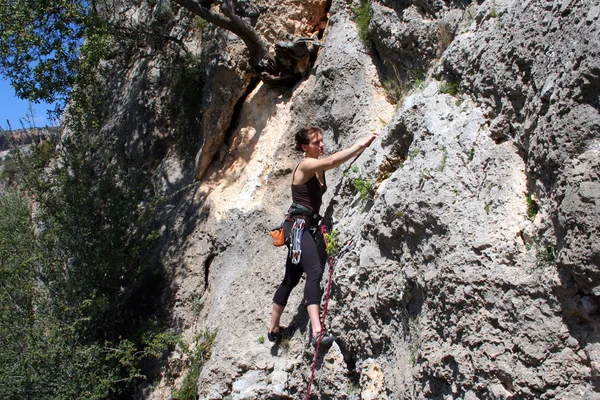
(457, 287)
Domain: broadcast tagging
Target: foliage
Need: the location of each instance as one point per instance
(425, 174)
(450, 88)
(40, 45)
(75, 287)
(414, 152)
(361, 185)
(332, 246)
(546, 255)
(186, 99)
(200, 24)
(40, 356)
(471, 154)
(78, 303)
(486, 207)
(201, 352)
(532, 207)
(398, 85)
(363, 19)
(79, 285)
(10, 171)
(444, 159)
(164, 11)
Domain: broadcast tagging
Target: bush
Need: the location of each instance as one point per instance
(201, 353)
(9, 172)
(81, 285)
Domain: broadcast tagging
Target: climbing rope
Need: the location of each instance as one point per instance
(332, 260)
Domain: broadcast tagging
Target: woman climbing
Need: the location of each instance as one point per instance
(300, 227)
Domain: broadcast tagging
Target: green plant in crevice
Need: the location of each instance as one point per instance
(450, 88)
(393, 89)
(363, 186)
(414, 152)
(424, 175)
(200, 24)
(398, 85)
(201, 352)
(471, 154)
(410, 323)
(198, 303)
(546, 255)
(261, 340)
(332, 246)
(486, 207)
(362, 16)
(414, 340)
(442, 165)
(164, 11)
(532, 207)
(399, 214)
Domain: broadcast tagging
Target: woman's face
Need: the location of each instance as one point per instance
(315, 147)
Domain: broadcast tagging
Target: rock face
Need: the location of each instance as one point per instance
(457, 286)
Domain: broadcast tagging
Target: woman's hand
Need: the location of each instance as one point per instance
(367, 140)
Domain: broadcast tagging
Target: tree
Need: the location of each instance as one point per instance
(272, 70)
(41, 41)
(79, 314)
(39, 45)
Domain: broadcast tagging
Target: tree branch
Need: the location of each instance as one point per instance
(260, 58)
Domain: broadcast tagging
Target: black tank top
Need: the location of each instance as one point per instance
(309, 194)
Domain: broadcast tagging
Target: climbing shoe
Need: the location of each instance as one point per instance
(274, 336)
(326, 339)
(284, 331)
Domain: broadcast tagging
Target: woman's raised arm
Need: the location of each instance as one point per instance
(312, 165)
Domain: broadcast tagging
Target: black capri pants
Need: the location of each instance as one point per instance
(311, 263)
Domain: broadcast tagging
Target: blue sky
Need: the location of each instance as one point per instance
(13, 108)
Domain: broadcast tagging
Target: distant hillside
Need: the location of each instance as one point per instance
(24, 136)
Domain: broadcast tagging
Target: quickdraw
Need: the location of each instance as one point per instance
(296, 245)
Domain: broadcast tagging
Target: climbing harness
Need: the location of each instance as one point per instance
(296, 245)
(299, 209)
(332, 260)
(299, 212)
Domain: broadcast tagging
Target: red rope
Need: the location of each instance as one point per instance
(314, 366)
